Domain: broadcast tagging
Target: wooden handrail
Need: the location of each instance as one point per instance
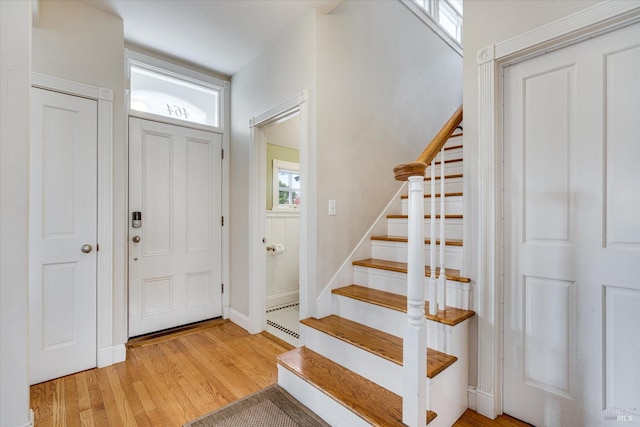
(404, 171)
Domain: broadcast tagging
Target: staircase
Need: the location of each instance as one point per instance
(350, 371)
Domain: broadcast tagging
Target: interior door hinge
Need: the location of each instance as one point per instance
(222, 221)
(223, 154)
(222, 291)
(97, 247)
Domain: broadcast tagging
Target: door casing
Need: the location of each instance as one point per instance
(486, 396)
(107, 353)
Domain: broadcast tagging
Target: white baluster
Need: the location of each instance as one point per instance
(414, 394)
(433, 289)
(442, 282)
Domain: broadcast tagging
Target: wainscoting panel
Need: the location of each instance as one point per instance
(282, 268)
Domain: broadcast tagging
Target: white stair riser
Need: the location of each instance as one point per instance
(448, 394)
(454, 140)
(453, 205)
(319, 402)
(394, 282)
(381, 371)
(397, 251)
(454, 153)
(453, 228)
(451, 168)
(447, 339)
(451, 185)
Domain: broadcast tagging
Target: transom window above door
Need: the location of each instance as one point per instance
(173, 95)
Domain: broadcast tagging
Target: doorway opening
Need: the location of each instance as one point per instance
(294, 200)
(282, 204)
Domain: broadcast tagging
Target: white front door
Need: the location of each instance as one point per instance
(62, 235)
(572, 234)
(175, 254)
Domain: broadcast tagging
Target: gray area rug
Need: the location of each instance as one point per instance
(269, 407)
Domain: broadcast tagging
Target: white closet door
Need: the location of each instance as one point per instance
(572, 233)
(62, 235)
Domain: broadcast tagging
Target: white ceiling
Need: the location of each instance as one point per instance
(220, 35)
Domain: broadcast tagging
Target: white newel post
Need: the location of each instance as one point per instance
(414, 399)
(442, 280)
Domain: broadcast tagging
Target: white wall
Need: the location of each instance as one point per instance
(386, 84)
(487, 22)
(79, 43)
(279, 73)
(15, 77)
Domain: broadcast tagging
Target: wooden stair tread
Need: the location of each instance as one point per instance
(452, 176)
(448, 161)
(450, 316)
(374, 341)
(456, 135)
(426, 195)
(453, 147)
(403, 239)
(401, 267)
(375, 404)
(447, 216)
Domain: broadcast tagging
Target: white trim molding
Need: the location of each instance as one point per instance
(599, 19)
(433, 25)
(104, 97)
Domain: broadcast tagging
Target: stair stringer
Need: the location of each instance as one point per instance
(344, 275)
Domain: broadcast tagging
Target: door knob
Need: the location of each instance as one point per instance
(86, 248)
(136, 239)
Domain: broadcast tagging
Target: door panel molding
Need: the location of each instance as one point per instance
(599, 19)
(107, 353)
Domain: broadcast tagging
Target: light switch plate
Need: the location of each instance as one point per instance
(332, 207)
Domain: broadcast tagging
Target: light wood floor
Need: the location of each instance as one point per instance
(170, 381)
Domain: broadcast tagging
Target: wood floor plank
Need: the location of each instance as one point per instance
(473, 419)
(375, 404)
(401, 267)
(162, 409)
(450, 316)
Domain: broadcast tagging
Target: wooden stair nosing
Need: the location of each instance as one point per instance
(401, 267)
(402, 239)
(452, 176)
(375, 404)
(374, 341)
(454, 147)
(447, 216)
(449, 316)
(448, 161)
(426, 195)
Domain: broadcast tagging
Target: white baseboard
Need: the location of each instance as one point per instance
(241, 320)
(109, 355)
(225, 312)
(483, 402)
(473, 405)
(283, 298)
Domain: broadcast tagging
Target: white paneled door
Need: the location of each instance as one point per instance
(175, 254)
(572, 234)
(62, 235)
